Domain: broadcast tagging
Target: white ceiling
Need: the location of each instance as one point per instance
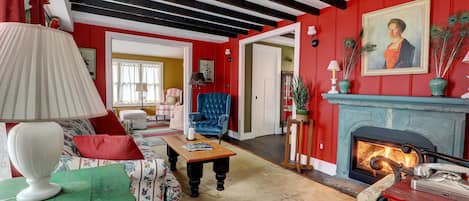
(126, 24)
(130, 47)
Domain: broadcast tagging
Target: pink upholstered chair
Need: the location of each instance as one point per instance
(172, 97)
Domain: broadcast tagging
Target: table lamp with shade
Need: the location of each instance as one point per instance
(43, 78)
(334, 67)
(466, 60)
(141, 88)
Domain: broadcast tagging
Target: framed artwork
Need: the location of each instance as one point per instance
(207, 67)
(401, 35)
(89, 56)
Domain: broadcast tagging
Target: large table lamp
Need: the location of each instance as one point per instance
(334, 67)
(42, 78)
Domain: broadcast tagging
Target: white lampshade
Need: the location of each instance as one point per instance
(43, 76)
(466, 58)
(312, 30)
(141, 87)
(333, 65)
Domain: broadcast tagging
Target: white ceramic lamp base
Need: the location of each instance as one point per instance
(34, 150)
(39, 189)
(333, 89)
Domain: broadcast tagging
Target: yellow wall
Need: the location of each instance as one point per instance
(172, 68)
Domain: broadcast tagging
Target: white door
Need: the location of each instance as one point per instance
(266, 68)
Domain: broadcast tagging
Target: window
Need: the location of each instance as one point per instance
(125, 76)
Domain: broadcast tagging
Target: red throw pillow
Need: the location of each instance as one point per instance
(108, 124)
(108, 147)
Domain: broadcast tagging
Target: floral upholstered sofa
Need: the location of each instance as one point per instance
(150, 178)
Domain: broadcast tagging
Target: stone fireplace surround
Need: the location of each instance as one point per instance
(441, 120)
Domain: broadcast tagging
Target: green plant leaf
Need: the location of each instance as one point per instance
(300, 93)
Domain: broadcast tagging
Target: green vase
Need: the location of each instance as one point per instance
(438, 86)
(344, 86)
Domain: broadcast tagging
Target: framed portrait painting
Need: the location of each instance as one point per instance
(207, 67)
(401, 35)
(89, 56)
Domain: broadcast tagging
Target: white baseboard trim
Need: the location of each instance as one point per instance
(320, 165)
(233, 134)
(247, 136)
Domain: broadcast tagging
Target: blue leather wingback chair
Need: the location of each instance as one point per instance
(213, 112)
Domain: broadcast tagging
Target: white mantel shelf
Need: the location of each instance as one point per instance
(440, 104)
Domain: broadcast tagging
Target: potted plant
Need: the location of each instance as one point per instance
(300, 96)
(352, 52)
(446, 43)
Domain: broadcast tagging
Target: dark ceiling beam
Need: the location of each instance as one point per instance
(224, 11)
(259, 9)
(190, 13)
(110, 13)
(342, 4)
(289, 35)
(159, 15)
(298, 6)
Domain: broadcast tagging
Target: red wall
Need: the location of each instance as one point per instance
(91, 36)
(334, 25)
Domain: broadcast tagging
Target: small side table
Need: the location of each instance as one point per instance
(299, 142)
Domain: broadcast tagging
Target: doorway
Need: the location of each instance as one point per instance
(265, 98)
(187, 66)
(244, 99)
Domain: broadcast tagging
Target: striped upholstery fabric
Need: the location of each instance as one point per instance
(163, 109)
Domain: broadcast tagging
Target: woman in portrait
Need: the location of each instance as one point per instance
(399, 53)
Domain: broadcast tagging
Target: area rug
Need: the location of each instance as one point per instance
(157, 129)
(252, 178)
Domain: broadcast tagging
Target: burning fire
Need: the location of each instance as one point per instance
(368, 150)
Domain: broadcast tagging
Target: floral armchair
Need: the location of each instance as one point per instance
(172, 98)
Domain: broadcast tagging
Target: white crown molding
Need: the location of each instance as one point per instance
(100, 20)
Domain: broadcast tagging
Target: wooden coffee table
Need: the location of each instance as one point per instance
(219, 155)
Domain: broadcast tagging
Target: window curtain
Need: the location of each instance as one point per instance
(129, 77)
(12, 11)
(151, 75)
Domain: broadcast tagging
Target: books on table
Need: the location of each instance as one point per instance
(199, 146)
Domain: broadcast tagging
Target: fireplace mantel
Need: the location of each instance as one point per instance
(441, 120)
(438, 104)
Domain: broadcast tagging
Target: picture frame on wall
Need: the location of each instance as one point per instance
(89, 57)
(207, 67)
(401, 34)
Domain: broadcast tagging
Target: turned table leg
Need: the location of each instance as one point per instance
(221, 167)
(194, 172)
(172, 157)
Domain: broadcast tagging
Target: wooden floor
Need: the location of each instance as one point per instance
(272, 148)
(269, 147)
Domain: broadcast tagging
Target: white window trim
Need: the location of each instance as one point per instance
(139, 62)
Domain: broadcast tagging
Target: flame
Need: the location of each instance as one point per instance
(367, 150)
(407, 161)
